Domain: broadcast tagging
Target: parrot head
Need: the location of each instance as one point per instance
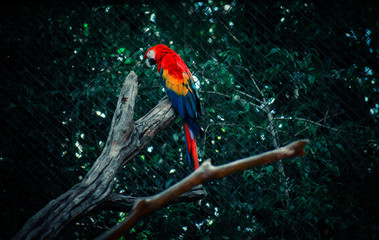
(154, 54)
(150, 57)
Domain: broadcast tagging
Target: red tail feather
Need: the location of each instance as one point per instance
(191, 147)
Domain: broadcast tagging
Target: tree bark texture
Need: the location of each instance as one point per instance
(205, 172)
(125, 140)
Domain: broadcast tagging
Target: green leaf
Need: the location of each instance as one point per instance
(247, 107)
(269, 169)
(121, 50)
(235, 98)
(339, 146)
(175, 136)
(273, 51)
(86, 29)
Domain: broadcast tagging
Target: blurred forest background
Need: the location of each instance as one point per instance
(268, 73)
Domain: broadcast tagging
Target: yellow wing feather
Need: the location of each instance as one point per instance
(178, 85)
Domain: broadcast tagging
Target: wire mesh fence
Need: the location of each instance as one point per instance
(268, 74)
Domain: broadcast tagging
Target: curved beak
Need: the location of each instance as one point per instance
(150, 62)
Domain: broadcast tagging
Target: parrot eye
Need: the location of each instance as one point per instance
(151, 54)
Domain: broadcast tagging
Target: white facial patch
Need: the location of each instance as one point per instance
(151, 54)
(150, 58)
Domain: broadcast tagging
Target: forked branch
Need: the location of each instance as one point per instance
(204, 173)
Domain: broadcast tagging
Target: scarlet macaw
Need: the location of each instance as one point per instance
(178, 82)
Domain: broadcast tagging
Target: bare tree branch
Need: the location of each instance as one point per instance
(204, 173)
(122, 203)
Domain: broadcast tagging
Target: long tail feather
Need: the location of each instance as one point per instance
(191, 147)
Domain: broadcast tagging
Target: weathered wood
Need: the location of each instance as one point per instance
(125, 140)
(205, 172)
(122, 203)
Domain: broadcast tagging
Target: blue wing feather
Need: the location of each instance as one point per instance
(191, 105)
(177, 102)
(188, 106)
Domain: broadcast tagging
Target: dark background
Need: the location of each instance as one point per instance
(269, 73)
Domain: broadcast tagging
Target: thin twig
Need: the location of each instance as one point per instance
(214, 92)
(309, 121)
(249, 96)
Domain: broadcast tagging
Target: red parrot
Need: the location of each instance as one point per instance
(178, 82)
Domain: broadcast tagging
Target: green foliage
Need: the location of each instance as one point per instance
(268, 74)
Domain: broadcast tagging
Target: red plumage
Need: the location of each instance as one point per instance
(178, 82)
(191, 146)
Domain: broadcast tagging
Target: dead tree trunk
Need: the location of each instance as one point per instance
(125, 140)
